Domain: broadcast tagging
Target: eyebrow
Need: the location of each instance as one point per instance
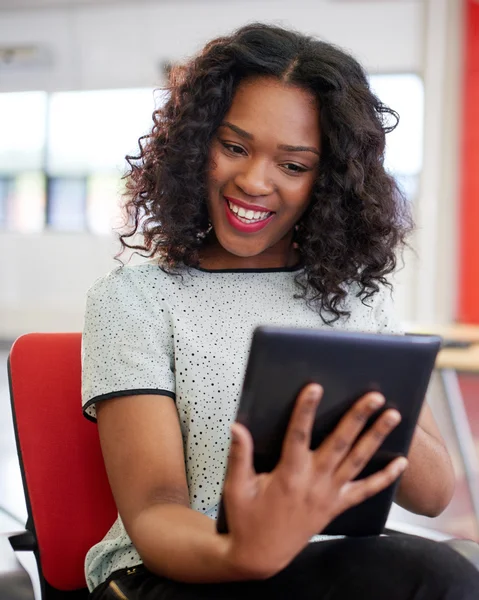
(249, 136)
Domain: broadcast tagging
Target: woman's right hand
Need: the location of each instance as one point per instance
(272, 516)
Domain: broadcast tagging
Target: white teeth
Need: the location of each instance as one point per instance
(248, 216)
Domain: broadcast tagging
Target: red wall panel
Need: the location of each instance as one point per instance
(469, 213)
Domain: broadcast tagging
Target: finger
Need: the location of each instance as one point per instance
(355, 492)
(297, 440)
(240, 461)
(338, 444)
(367, 445)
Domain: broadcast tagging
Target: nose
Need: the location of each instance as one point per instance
(254, 179)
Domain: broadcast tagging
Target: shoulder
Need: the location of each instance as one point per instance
(130, 281)
(376, 314)
(127, 303)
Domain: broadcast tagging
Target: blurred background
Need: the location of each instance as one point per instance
(77, 81)
(77, 89)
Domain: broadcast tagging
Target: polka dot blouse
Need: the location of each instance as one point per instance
(187, 337)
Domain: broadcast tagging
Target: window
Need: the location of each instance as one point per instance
(62, 154)
(92, 131)
(22, 123)
(66, 203)
(404, 146)
(89, 135)
(26, 202)
(103, 213)
(6, 197)
(22, 147)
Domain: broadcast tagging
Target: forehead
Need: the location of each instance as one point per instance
(268, 109)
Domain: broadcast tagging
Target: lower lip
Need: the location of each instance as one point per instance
(245, 227)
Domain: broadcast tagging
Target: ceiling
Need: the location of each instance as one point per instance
(33, 4)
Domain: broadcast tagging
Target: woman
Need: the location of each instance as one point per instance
(262, 198)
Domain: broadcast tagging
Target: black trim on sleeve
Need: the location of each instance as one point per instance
(119, 394)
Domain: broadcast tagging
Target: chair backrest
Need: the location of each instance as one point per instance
(69, 501)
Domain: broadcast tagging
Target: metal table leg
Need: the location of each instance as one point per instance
(463, 434)
(15, 582)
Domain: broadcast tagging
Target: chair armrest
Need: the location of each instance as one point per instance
(23, 541)
(15, 583)
(397, 527)
(467, 548)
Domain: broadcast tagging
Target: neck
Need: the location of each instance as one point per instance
(214, 257)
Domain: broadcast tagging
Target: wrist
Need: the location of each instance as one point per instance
(243, 563)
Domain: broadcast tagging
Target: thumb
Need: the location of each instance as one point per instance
(240, 462)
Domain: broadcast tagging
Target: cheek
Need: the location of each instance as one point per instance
(212, 168)
(299, 197)
(219, 168)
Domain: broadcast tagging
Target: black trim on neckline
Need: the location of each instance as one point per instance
(297, 267)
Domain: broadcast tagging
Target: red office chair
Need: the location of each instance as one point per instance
(69, 502)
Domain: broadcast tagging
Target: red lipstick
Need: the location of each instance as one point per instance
(247, 206)
(235, 222)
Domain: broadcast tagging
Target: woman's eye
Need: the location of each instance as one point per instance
(294, 168)
(233, 148)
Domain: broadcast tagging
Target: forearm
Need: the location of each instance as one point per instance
(427, 485)
(182, 544)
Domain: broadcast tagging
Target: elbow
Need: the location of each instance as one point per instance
(441, 499)
(449, 487)
(428, 499)
(435, 510)
(442, 488)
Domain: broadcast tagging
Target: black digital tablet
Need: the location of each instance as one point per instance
(347, 365)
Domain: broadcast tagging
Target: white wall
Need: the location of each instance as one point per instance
(436, 273)
(121, 46)
(43, 278)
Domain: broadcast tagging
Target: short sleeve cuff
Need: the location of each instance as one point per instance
(89, 408)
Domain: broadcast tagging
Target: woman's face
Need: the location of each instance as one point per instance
(263, 163)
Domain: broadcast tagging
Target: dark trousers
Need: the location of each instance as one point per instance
(398, 567)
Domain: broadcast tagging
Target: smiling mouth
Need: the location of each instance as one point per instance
(247, 216)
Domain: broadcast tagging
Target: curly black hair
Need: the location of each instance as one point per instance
(357, 218)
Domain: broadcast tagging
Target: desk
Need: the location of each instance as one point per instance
(458, 332)
(449, 362)
(459, 359)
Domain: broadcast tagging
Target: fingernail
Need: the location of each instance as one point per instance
(376, 401)
(314, 391)
(393, 418)
(234, 433)
(400, 465)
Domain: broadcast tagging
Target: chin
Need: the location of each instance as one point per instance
(239, 249)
